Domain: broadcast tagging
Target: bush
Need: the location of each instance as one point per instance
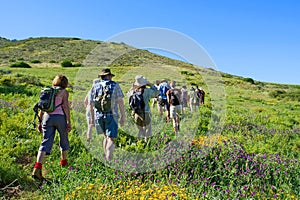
(35, 61)
(280, 94)
(66, 63)
(249, 80)
(77, 65)
(20, 65)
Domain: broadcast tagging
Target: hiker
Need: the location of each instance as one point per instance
(106, 100)
(163, 101)
(141, 110)
(59, 120)
(174, 99)
(184, 97)
(88, 115)
(155, 99)
(192, 99)
(198, 93)
(202, 95)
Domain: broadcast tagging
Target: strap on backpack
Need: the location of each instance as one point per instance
(36, 115)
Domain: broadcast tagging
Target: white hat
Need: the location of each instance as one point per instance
(140, 81)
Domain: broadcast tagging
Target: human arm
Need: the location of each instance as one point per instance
(41, 114)
(154, 92)
(86, 101)
(66, 108)
(122, 111)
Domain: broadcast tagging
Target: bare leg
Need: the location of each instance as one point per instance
(110, 146)
(37, 170)
(64, 155)
(105, 145)
(40, 156)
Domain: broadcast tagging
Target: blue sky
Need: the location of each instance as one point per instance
(258, 39)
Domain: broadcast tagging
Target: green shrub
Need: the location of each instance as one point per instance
(77, 65)
(20, 65)
(35, 61)
(249, 80)
(280, 94)
(66, 63)
(52, 61)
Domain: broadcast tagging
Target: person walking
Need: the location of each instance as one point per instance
(198, 93)
(192, 99)
(163, 101)
(58, 120)
(174, 99)
(202, 95)
(184, 97)
(106, 100)
(142, 115)
(88, 115)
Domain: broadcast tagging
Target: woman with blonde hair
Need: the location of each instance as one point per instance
(58, 120)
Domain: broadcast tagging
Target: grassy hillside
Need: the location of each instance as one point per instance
(243, 143)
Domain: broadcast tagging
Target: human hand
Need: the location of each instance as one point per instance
(69, 127)
(122, 121)
(40, 128)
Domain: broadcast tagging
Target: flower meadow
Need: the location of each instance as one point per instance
(255, 155)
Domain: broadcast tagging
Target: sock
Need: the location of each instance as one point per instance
(63, 162)
(38, 165)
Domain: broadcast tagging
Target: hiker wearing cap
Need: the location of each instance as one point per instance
(105, 101)
(59, 120)
(174, 99)
(142, 112)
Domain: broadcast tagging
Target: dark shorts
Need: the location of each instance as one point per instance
(108, 124)
(50, 124)
(164, 103)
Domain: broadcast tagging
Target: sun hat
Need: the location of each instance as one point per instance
(105, 72)
(140, 81)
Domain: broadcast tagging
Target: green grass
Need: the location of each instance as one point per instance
(243, 146)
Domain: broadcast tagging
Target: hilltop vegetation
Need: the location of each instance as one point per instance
(244, 143)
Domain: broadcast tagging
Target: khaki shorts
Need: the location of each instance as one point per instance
(142, 119)
(175, 110)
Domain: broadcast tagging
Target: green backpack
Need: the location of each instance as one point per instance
(46, 101)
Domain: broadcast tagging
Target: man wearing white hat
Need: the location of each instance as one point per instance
(142, 116)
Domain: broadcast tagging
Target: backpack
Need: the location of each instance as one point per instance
(103, 100)
(136, 102)
(174, 99)
(46, 101)
(163, 91)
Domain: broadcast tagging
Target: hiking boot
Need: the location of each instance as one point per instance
(37, 174)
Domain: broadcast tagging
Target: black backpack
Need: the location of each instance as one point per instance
(46, 101)
(136, 102)
(174, 99)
